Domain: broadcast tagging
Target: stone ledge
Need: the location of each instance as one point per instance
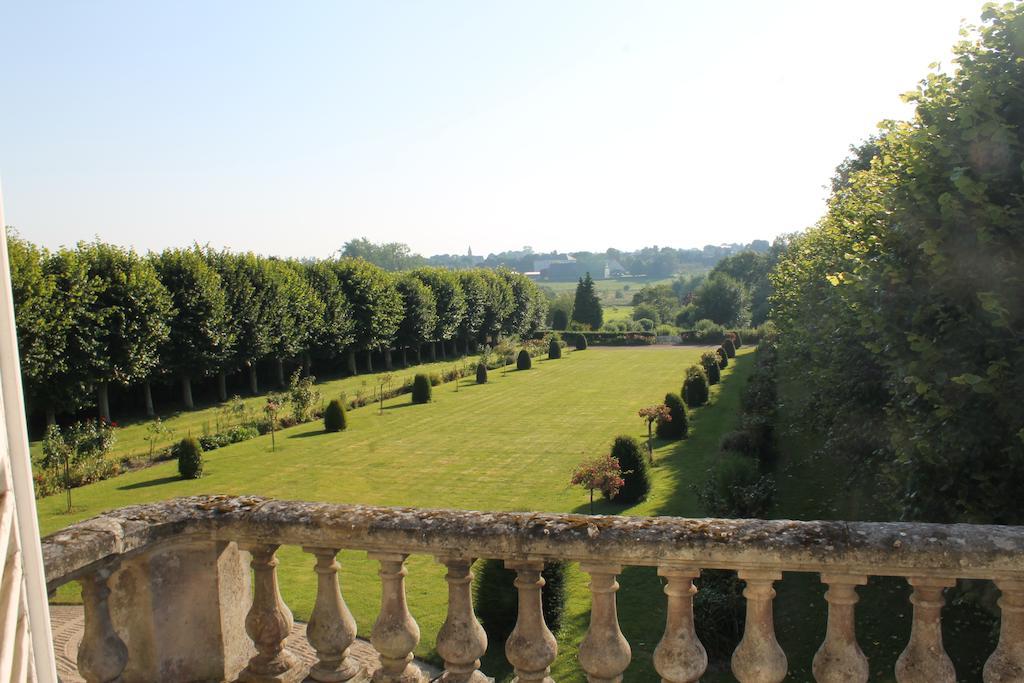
(884, 548)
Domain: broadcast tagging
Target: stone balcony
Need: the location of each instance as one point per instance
(169, 595)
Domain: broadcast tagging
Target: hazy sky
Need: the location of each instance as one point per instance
(290, 127)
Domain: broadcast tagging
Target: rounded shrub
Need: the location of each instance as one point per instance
(678, 427)
(646, 324)
(421, 388)
(730, 348)
(523, 361)
(554, 350)
(559, 319)
(481, 373)
(496, 598)
(723, 357)
(695, 386)
(709, 361)
(636, 472)
(581, 342)
(190, 458)
(334, 417)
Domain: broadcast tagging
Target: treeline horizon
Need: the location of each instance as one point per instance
(98, 317)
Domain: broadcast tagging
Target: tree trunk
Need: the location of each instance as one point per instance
(222, 386)
(307, 363)
(103, 401)
(254, 383)
(405, 357)
(147, 396)
(51, 416)
(387, 359)
(186, 392)
(419, 354)
(433, 351)
(351, 355)
(279, 368)
(467, 346)
(369, 360)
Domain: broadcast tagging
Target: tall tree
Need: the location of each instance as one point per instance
(129, 318)
(391, 256)
(451, 303)
(297, 313)
(337, 328)
(474, 288)
(500, 301)
(586, 308)
(376, 307)
(246, 279)
(200, 336)
(721, 299)
(419, 315)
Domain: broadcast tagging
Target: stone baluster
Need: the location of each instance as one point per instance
(268, 623)
(1007, 662)
(331, 628)
(758, 658)
(395, 633)
(680, 657)
(461, 642)
(102, 656)
(840, 659)
(925, 660)
(604, 653)
(531, 648)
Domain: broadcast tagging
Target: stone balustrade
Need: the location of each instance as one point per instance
(187, 589)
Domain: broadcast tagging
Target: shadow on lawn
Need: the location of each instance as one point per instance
(149, 482)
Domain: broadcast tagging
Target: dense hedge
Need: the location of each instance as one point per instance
(635, 470)
(678, 427)
(334, 417)
(695, 386)
(421, 388)
(190, 458)
(496, 599)
(610, 339)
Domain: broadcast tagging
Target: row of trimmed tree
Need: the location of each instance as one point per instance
(98, 316)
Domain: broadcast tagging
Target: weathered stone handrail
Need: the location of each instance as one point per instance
(931, 556)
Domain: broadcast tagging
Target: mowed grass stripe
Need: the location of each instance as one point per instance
(507, 445)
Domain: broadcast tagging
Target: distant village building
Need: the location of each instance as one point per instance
(473, 259)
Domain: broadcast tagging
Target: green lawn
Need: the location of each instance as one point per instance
(507, 445)
(132, 434)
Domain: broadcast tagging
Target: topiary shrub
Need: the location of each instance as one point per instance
(334, 417)
(581, 342)
(554, 350)
(635, 471)
(678, 427)
(695, 386)
(723, 357)
(737, 339)
(421, 388)
(481, 373)
(497, 601)
(730, 348)
(190, 458)
(559, 319)
(646, 324)
(523, 360)
(709, 361)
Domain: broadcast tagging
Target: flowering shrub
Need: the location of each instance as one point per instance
(600, 474)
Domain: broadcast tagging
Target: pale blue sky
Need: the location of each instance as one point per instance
(289, 128)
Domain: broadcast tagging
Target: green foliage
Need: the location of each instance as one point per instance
(581, 342)
(723, 357)
(554, 349)
(719, 614)
(523, 360)
(419, 312)
(481, 373)
(729, 347)
(190, 458)
(303, 395)
(648, 312)
(709, 361)
(695, 386)
(389, 256)
(736, 489)
(251, 308)
(421, 388)
(635, 470)
(496, 599)
(914, 278)
(646, 324)
(449, 299)
(586, 308)
(559, 319)
(334, 417)
(721, 299)
(336, 329)
(678, 426)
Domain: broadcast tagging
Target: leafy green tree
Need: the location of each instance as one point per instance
(376, 306)
(297, 313)
(586, 308)
(451, 304)
(336, 330)
(200, 335)
(500, 302)
(127, 320)
(475, 290)
(419, 317)
(391, 256)
(48, 312)
(721, 299)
